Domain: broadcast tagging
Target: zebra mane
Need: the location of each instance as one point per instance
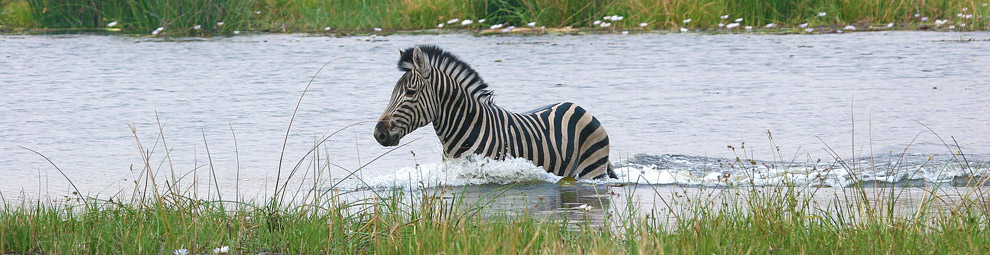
(461, 72)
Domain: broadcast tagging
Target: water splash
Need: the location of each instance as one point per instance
(914, 170)
(469, 170)
(911, 169)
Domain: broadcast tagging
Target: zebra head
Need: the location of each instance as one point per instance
(413, 102)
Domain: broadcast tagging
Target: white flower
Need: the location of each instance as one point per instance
(605, 24)
(440, 25)
(924, 19)
(326, 29)
(965, 9)
(684, 30)
(822, 14)
(111, 24)
(739, 20)
(224, 249)
(724, 16)
(959, 15)
(808, 30)
(531, 24)
(952, 27)
(686, 21)
(721, 24)
(220, 23)
(962, 24)
(749, 27)
(984, 4)
(625, 32)
(644, 24)
(917, 15)
(481, 21)
(378, 29)
(732, 25)
(180, 252)
(890, 25)
(506, 30)
(804, 25)
(771, 25)
(939, 22)
(257, 12)
(157, 31)
(617, 18)
(237, 32)
(466, 22)
(849, 27)
(197, 27)
(596, 22)
(496, 26)
(969, 16)
(453, 21)
(613, 18)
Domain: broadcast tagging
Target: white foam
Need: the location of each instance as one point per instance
(469, 170)
(650, 175)
(672, 170)
(804, 175)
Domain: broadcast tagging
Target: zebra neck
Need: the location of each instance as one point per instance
(467, 126)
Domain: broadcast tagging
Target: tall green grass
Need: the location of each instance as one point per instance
(167, 212)
(176, 16)
(760, 220)
(179, 16)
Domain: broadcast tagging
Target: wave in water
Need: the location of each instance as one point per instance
(913, 170)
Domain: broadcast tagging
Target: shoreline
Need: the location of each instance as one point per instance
(173, 17)
(555, 218)
(484, 32)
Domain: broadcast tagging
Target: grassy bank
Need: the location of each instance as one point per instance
(767, 221)
(181, 17)
(165, 215)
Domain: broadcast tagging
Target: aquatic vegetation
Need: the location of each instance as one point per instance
(349, 15)
(171, 219)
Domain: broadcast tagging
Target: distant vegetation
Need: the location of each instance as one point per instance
(183, 17)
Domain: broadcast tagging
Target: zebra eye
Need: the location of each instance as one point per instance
(410, 92)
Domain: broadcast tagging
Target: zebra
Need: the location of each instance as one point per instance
(436, 87)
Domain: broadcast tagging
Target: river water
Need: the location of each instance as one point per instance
(875, 100)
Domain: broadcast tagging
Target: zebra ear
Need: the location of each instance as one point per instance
(420, 62)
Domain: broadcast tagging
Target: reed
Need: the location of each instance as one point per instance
(166, 213)
(178, 17)
(765, 220)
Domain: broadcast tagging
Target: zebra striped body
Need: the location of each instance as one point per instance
(438, 88)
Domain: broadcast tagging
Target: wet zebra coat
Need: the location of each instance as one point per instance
(437, 88)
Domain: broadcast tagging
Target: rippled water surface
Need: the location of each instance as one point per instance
(75, 98)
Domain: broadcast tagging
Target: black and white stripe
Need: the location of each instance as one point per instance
(439, 88)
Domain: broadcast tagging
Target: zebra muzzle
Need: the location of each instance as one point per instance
(384, 134)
